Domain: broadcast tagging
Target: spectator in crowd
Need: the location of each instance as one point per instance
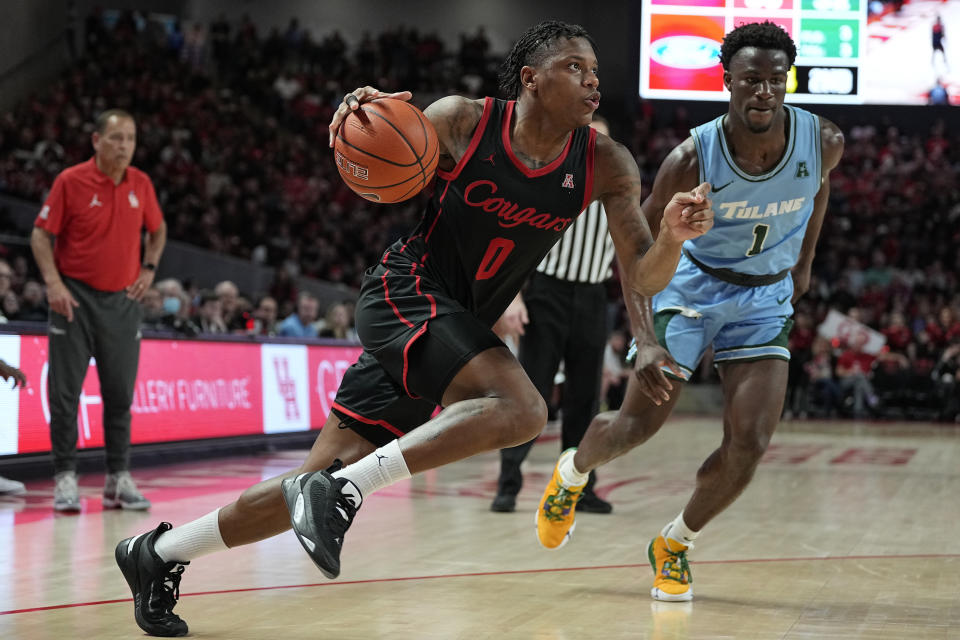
(945, 329)
(6, 277)
(230, 305)
(945, 381)
(33, 307)
(175, 299)
(10, 487)
(823, 395)
(94, 280)
(301, 323)
(9, 306)
(209, 318)
(854, 372)
(265, 317)
(337, 324)
(152, 303)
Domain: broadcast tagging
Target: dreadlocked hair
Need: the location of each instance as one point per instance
(762, 35)
(532, 49)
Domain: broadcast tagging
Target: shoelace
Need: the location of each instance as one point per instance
(564, 498)
(169, 588)
(669, 567)
(345, 511)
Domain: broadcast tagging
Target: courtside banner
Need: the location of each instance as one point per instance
(326, 368)
(185, 390)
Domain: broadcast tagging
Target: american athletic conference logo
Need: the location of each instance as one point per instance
(286, 387)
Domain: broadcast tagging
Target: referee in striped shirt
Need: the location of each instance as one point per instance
(566, 301)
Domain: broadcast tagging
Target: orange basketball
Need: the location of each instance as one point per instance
(387, 150)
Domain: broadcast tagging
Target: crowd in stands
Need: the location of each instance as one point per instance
(232, 129)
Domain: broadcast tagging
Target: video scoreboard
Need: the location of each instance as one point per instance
(680, 46)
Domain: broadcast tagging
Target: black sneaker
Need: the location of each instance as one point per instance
(155, 584)
(504, 503)
(592, 503)
(320, 514)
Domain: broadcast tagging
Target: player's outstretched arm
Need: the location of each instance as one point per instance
(649, 263)
(831, 150)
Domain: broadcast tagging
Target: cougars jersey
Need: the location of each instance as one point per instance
(759, 221)
(492, 219)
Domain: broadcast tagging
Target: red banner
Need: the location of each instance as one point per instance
(185, 390)
(326, 368)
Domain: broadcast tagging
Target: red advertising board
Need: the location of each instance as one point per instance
(185, 390)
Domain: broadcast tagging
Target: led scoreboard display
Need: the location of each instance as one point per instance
(680, 46)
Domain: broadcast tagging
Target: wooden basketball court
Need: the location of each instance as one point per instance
(848, 531)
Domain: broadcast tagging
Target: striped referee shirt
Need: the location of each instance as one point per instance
(585, 252)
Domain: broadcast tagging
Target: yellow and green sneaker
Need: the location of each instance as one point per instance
(671, 571)
(556, 512)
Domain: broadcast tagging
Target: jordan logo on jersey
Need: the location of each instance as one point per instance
(568, 181)
(802, 170)
(95, 202)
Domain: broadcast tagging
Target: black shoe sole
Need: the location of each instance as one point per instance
(291, 490)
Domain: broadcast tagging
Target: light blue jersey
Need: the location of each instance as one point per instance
(732, 287)
(759, 221)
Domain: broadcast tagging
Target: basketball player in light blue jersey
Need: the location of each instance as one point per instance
(769, 165)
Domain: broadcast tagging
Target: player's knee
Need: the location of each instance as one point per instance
(529, 413)
(750, 445)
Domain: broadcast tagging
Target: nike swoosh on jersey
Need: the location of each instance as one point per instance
(784, 299)
(720, 188)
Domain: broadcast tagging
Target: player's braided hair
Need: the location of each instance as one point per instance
(532, 48)
(762, 35)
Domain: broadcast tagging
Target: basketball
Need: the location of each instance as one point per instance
(387, 150)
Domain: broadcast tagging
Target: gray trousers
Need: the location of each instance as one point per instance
(105, 326)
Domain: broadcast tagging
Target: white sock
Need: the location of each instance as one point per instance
(569, 475)
(192, 540)
(680, 532)
(380, 469)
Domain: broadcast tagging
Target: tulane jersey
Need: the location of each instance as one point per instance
(759, 220)
(732, 288)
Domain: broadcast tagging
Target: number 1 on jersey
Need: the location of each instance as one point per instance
(497, 252)
(759, 235)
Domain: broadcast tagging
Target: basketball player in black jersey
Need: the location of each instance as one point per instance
(513, 175)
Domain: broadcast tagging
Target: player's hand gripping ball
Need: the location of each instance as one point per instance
(386, 150)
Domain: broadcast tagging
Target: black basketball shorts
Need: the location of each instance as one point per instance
(416, 338)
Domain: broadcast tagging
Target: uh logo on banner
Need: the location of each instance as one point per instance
(286, 396)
